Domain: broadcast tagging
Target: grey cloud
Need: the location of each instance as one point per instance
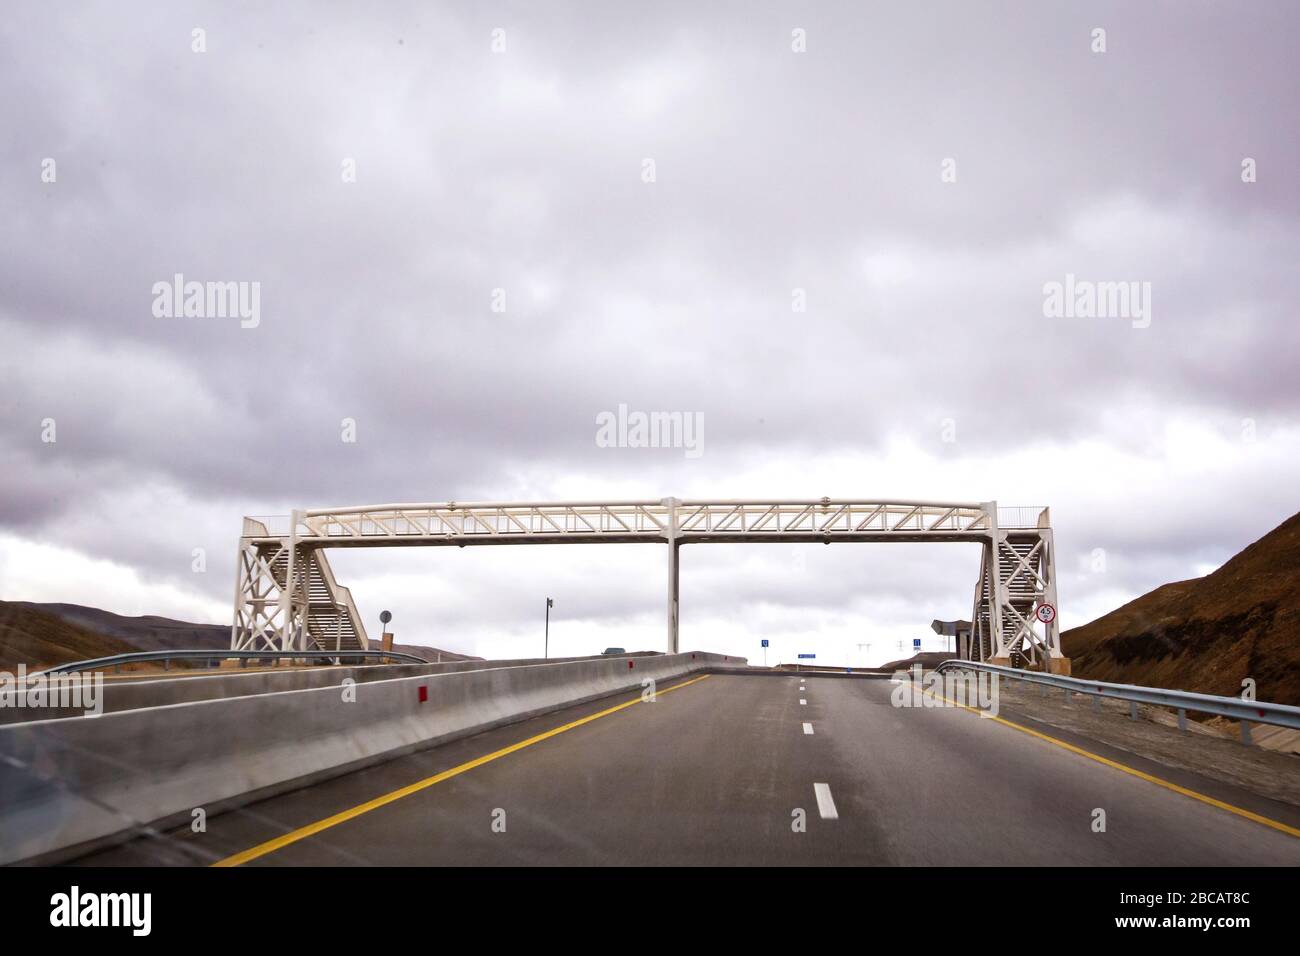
(521, 171)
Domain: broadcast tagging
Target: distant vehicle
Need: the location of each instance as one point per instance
(614, 650)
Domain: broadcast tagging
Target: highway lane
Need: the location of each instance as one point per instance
(715, 771)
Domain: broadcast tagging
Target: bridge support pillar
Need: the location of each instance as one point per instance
(1016, 617)
(674, 591)
(674, 579)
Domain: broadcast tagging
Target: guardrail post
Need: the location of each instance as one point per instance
(1245, 732)
(1132, 710)
(1182, 719)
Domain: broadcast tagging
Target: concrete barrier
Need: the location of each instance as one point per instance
(150, 690)
(70, 785)
(854, 674)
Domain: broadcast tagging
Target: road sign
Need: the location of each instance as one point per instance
(806, 656)
(916, 643)
(765, 642)
(1046, 613)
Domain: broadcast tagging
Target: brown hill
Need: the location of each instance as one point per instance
(430, 654)
(41, 635)
(148, 633)
(39, 639)
(1209, 633)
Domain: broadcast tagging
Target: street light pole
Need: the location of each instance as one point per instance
(546, 653)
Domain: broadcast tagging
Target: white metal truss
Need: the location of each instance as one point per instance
(314, 612)
(257, 599)
(1017, 577)
(270, 613)
(460, 524)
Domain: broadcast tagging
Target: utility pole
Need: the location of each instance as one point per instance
(546, 653)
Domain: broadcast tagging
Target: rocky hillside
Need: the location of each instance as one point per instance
(1209, 633)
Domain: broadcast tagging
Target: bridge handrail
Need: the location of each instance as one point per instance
(758, 519)
(189, 655)
(1234, 708)
(657, 504)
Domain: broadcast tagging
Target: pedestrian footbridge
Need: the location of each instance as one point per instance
(286, 596)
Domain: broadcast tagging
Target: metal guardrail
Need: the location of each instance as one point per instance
(114, 660)
(1234, 708)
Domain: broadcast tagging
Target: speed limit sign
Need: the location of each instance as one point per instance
(1046, 613)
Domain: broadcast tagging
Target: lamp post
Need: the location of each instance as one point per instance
(546, 652)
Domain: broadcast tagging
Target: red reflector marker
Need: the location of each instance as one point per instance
(629, 665)
(424, 693)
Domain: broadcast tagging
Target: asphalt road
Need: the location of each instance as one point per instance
(714, 772)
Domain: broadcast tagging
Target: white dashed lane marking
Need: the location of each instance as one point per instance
(825, 802)
(807, 727)
(802, 702)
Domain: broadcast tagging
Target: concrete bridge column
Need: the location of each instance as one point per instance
(674, 580)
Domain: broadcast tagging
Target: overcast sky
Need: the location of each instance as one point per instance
(912, 174)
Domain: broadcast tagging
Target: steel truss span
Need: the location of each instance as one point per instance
(286, 597)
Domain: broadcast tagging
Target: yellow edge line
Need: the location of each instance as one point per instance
(270, 846)
(1239, 811)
